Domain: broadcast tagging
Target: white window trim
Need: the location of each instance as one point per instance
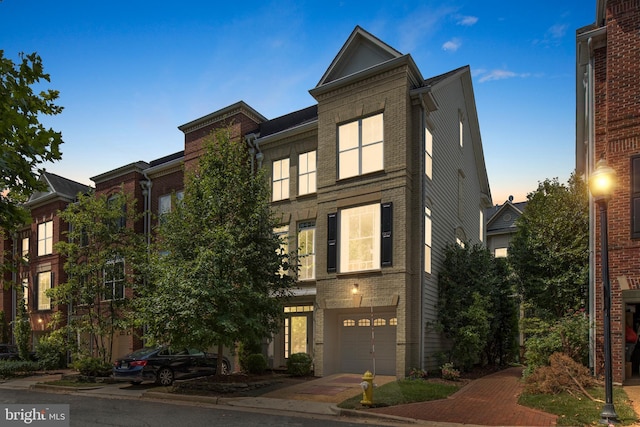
(306, 228)
(45, 238)
(280, 180)
(307, 175)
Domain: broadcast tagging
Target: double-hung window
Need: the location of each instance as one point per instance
(307, 173)
(25, 249)
(45, 238)
(359, 238)
(283, 235)
(280, 180)
(165, 203)
(361, 146)
(306, 251)
(114, 280)
(428, 153)
(427, 240)
(635, 197)
(44, 284)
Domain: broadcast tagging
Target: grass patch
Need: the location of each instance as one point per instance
(572, 411)
(403, 391)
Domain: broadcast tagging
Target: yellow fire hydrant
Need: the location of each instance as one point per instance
(367, 388)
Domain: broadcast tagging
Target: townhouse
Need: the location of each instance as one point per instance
(369, 184)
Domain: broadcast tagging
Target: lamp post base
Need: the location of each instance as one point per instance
(608, 415)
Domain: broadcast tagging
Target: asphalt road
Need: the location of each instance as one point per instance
(92, 411)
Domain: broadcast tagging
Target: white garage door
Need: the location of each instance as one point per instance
(360, 349)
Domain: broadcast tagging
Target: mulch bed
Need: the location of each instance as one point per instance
(237, 384)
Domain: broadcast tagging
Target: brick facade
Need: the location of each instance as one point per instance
(615, 62)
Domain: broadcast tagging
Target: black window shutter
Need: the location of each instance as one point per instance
(386, 255)
(332, 240)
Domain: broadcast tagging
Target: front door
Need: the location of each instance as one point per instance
(297, 330)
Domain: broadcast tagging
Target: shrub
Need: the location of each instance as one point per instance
(11, 368)
(299, 365)
(50, 351)
(417, 374)
(448, 372)
(246, 349)
(256, 363)
(568, 335)
(92, 367)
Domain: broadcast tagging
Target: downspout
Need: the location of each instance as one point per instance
(421, 341)
(254, 151)
(146, 193)
(590, 110)
(14, 279)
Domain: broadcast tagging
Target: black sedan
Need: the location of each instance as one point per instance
(163, 365)
(9, 352)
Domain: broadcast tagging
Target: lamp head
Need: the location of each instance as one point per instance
(354, 290)
(602, 181)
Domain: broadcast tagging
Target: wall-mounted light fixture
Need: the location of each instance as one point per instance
(354, 290)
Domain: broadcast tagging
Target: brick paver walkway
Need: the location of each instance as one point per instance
(490, 401)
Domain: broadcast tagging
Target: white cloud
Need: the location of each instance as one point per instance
(501, 75)
(557, 31)
(467, 21)
(553, 36)
(452, 45)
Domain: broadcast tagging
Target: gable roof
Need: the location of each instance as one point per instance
(57, 187)
(363, 54)
(501, 218)
(433, 84)
(362, 50)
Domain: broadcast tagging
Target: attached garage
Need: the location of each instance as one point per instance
(359, 337)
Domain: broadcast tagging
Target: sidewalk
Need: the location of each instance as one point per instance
(488, 401)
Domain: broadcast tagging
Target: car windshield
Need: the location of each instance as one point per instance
(141, 353)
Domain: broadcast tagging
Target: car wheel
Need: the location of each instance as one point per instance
(164, 377)
(225, 368)
(136, 382)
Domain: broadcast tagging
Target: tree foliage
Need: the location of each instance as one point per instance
(103, 257)
(24, 142)
(216, 275)
(550, 251)
(476, 308)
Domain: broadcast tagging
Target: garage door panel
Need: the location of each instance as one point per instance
(356, 344)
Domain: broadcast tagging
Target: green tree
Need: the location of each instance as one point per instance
(550, 251)
(216, 275)
(103, 257)
(24, 142)
(22, 330)
(476, 308)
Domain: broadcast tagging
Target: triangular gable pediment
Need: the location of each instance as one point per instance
(361, 51)
(504, 217)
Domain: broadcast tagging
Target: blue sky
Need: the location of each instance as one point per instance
(130, 72)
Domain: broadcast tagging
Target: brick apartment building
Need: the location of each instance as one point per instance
(608, 127)
(370, 184)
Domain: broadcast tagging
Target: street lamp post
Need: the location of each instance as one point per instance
(601, 185)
